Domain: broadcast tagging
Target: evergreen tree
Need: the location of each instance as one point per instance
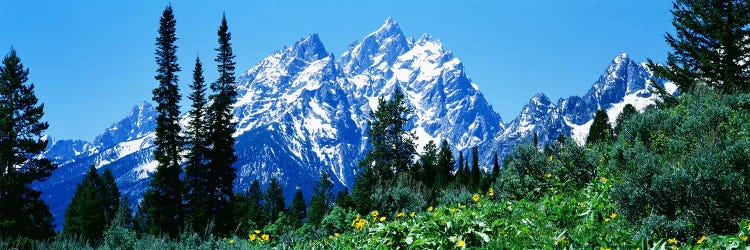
(274, 199)
(257, 204)
(320, 203)
(343, 200)
(495, 167)
(600, 130)
(393, 146)
(536, 140)
(627, 112)
(710, 46)
(249, 210)
(444, 166)
(111, 195)
(426, 168)
(392, 149)
(298, 210)
(461, 172)
(221, 155)
(93, 207)
(196, 172)
(163, 198)
(22, 213)
(476, 174)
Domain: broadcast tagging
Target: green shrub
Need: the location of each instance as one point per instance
(684, 170)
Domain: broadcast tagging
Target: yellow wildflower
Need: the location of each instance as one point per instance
(453, 210)
(580, 204)
(461, 243)
(252, 237)
(225, 238)
(700, 241)
(257, 231)
(429, 208)
(604, 248)
(475, 197)
(264, 237)
(491, 192)
(613, 216)
(603, 179)
(413, 214)
(606, 219)
(548, 175)
(382, 219)
(231, 241)
(561, 239)
(336, 234)
(400, 214)
(601, 159)
(672, 241)
(550, 158)
(744, 238)
(374, 213)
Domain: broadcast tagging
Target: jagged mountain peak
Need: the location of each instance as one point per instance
(540, 99)
(389, 28)
(140, 122)
(378, 49)
(309, 48)
(622, 77)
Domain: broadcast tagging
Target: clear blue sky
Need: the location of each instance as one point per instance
(92, 61)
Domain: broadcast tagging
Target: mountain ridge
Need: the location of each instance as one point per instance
(300, 111)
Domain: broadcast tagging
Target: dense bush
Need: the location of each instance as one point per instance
(685, 170)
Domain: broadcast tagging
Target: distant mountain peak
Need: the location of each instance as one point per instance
(140, 121)
(381, 47)
(390, 26)
(309, 48)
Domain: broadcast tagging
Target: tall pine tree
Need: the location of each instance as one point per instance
(321, 199)
(221, 155)
(393, 146)
(711, 46)
(392, 149)
(196, 173)
(426, 168)
(298, 209)
(93, 207)
(476, 173)
(163, 198)
(22, 213)
(445, 163)
(600, 130)
(274, 199)
(495, 167)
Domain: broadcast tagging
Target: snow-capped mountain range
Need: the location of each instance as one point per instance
(300, 111)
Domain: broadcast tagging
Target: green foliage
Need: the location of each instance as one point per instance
(526, 174)
(401, 195)
(684, 169)
(627, 112)
(163, 198)
(445, 162)
(22, 213)
(274, 199)
(339, 220)
(298, 209)
(475, 172)
(93, 207)
(600, 130)
(221, 154)
(321, 201)
(710, 41)
(196, 172)
(393, 146)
